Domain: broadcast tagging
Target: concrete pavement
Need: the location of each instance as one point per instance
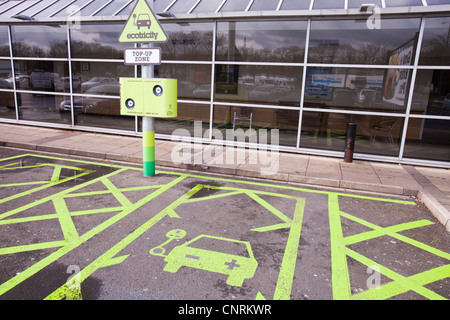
(429, 185)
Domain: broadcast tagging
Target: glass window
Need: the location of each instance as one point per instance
(70, 9)
(436, 42)
(245, 118)
(356, 4)
(275, 41)
(374, 134)
(437, 2)
(42, 108)
(328, 4)
(41, 41)
(352, 42)
(113, 7)
(97, 112)
(183, 124)
(383, 90)
(194, 81)
(99, 77)
(4, 42)
(191, 41)
(403, 3)
(37, 7)
(56, 7)
(428, 139)
(431, 93)
(258, 84)
(207, 6)
(260, 5)
(91, 8)
(7, 102)
(182, 6)
(97, 41)
(295, 5)
(161, 5)
(235, 5)
(39, 75)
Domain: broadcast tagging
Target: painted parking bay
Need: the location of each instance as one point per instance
(76, 229)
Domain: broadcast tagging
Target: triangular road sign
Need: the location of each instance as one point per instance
(142, 26)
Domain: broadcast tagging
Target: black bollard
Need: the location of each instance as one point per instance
(350, 142)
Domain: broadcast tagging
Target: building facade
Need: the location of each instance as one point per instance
(305, 68)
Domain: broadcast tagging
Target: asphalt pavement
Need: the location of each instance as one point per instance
(81, 228)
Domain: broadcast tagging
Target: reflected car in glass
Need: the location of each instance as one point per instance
(96, 105)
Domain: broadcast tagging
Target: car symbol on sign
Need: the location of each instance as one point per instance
(143, 20)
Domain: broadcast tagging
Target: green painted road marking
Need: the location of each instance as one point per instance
(339, 243)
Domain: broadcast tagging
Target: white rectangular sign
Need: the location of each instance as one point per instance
(142, 56)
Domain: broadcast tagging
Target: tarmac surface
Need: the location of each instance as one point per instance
(79, 220)
(430, 185)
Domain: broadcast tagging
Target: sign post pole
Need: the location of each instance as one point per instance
(148, 128)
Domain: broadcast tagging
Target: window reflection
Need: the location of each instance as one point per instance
(99, 77)
(194, 81)
(42, 108)
(328, 4)
(378, 135)
(97, 41)
(245, 118)
(351, 42)
(357, 89)
(41, 75)
(282, 41)
(295, 5)
(4, 42)
(187, 114)
(258, 84)
(432, 93)
(428, 139)
(188, 41)
(436, 42)
(42, 41)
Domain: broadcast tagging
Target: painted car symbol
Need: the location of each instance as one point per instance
(237, 267)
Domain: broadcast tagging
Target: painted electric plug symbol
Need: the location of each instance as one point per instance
(237, 267)
(174, 234)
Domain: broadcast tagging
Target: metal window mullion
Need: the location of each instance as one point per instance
(101, 8)
(279, 5)
(194, 6)
(81, 8)
(123, 7)
(69, 56)
(249, 5)
(302, 93)
(220, 6)
(213, 72)
(13, 72)
(62, 8)
(30, 6)
(411, 89)
(170, 5)
(42, 9)
(1, 12)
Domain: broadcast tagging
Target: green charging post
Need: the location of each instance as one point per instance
(147, 97)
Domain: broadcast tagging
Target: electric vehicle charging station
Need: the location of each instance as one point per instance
(146, 96)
